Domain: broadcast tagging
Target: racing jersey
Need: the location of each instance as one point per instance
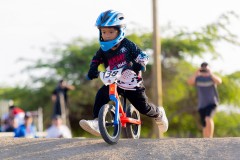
(127, 54)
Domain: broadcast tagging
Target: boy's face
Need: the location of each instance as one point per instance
(109, 33)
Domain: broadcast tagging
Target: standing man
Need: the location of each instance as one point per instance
(206, 82)
(60, 100)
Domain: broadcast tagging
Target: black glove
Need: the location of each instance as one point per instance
(87, 78)
(92, 74)
(136, 67)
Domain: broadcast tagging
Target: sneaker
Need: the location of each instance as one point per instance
(162, 120)
(90, 126)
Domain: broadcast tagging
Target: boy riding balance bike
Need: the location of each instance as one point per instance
(118, 52)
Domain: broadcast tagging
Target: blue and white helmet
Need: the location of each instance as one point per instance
(111, 18)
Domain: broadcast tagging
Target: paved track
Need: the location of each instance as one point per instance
(142, 149)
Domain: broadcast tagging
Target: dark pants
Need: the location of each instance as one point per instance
(137, 98)
(57, 109)
(206, 112)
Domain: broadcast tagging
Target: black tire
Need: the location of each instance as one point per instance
(110, 132)
(133, 130)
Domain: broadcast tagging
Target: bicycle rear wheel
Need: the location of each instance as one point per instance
(110, 132)
(133, 130)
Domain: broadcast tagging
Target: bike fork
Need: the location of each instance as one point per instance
(115, 100)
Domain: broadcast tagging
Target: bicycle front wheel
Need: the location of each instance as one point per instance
(110, 132)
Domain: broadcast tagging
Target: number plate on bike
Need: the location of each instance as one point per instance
(111, 76)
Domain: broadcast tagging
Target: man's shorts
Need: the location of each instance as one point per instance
(207, 111)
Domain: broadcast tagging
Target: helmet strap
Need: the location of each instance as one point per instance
(100, 35)
(116, 46)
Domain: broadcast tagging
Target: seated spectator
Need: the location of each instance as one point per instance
(12, 119)
(7, 121)
(27, 130)
(18, 115)
(57, 129)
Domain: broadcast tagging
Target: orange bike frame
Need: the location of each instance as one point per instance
(113, 95)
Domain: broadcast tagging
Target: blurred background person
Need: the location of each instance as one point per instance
(12, 119)
(60, 100)
(27, 130)
(57, 129)
(8, 122)
(208, 100)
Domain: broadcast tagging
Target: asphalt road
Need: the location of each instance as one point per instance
(126, 149)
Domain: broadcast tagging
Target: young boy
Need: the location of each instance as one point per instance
(118, 52)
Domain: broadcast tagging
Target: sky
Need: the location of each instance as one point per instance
(27, 26)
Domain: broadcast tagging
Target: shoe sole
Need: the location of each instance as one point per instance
(87, 128)
(162, 128)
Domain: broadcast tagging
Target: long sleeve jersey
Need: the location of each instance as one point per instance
(127, 54)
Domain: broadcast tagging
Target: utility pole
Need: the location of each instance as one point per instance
(156, 68)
